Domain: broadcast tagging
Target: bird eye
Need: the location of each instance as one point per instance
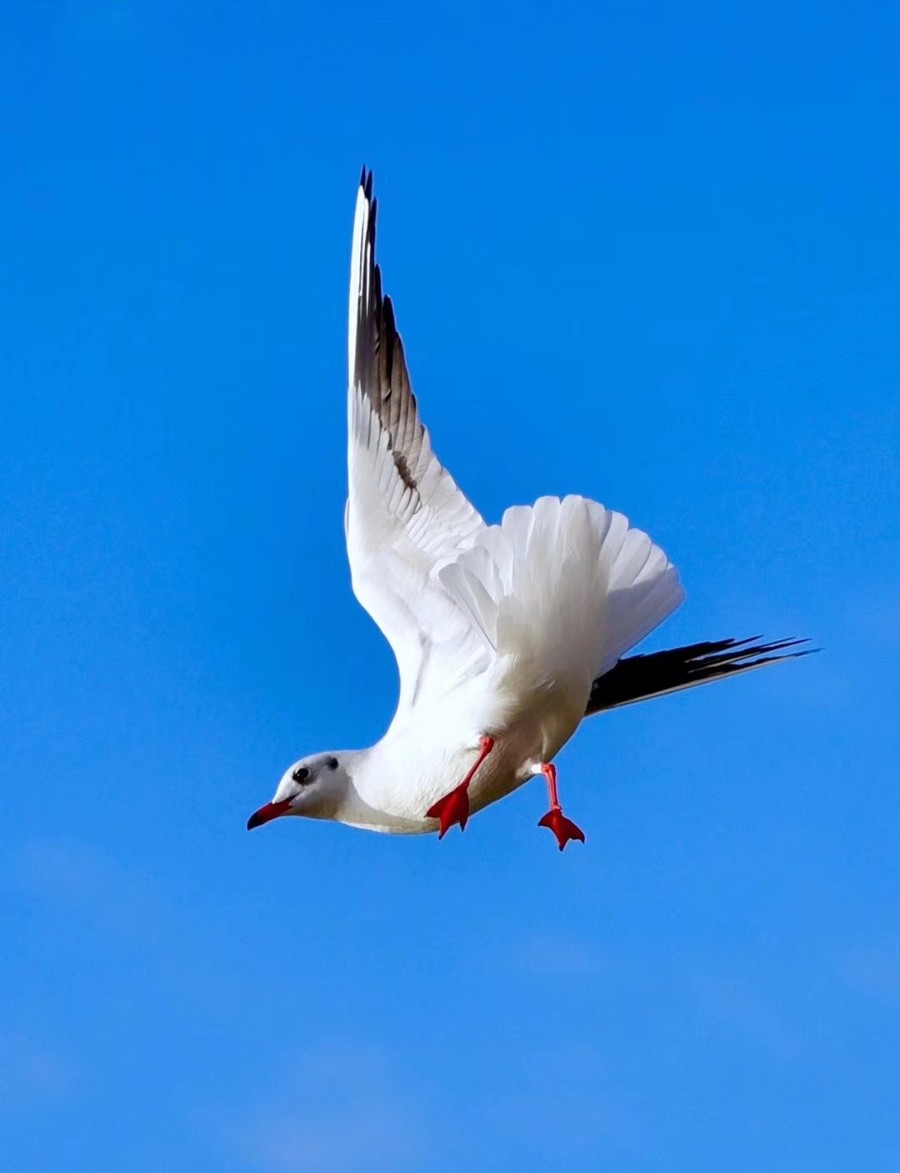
(301, 774)
(332, 763)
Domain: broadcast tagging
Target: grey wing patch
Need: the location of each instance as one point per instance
(380, 371)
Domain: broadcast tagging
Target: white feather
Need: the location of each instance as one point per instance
(564, 585)
(497, 630)
(501, 626)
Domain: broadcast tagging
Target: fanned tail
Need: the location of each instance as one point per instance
(564, 587)
(637, 678)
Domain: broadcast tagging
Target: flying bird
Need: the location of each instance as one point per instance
(506, 636)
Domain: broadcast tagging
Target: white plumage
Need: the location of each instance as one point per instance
(500, 631)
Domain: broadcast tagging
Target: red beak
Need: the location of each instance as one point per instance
(266, 813)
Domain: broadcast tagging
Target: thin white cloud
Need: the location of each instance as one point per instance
(337, 1108)
(737, 1007)
(60, 874)
(877, 619)
(561, 1101)
(343, 1107)
(58, 867)
(31, 1072)
(560, 956)
(872, 971)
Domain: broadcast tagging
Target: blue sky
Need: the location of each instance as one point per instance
(651, 255)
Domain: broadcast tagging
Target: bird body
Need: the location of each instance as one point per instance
(503, 633)
(578, 585)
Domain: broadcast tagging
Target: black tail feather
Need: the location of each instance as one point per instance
(637, 678)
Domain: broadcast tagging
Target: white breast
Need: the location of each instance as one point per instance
(415, 765)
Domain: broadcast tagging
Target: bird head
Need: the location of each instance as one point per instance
(314, 786)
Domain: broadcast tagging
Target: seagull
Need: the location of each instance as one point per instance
(506, 636)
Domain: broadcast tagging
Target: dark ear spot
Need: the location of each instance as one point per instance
(332, 763)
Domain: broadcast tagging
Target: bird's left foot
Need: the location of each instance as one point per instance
(564, 829)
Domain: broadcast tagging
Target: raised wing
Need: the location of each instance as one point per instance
(405, 514)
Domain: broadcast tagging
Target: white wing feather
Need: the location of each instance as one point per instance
(405, 515)
(565, 587)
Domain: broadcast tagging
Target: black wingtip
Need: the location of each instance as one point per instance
(651, 674)
(390, 324)
(365, 182)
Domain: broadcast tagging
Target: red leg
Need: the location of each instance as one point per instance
(454, 807)
(564, 829)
